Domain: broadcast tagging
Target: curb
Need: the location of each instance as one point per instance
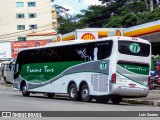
(144, 102)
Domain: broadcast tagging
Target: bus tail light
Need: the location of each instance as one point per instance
(113, 78)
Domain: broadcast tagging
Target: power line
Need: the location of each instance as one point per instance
(31, 9)
(15, 37)
(64, 2)
(52, 28)
(42, 30)
(24, 31)
(22, 19)
(28, 30)
(13, 17)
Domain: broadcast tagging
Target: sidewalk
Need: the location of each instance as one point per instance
(153, 98)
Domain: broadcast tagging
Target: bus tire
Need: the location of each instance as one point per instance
(85, 97)
(5, 80)
(116, 99)
(50, 95)
(102, 99)
(24, 90)
(73, 93)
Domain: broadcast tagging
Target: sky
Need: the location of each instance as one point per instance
(76, 5)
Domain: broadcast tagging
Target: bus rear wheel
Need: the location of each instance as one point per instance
(116, 99)
(73, 93)
(24, 90)
(85, 97)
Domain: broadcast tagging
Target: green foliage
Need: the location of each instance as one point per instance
(149, 16)
(133, 14)
(114, 22)
(129, 20)
(93, 15)
(135, 7)
(67, 25)
(121, 13)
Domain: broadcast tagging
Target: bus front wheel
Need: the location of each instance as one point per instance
(73, 93)
(85, 96)
(24, 90)
(116, 99)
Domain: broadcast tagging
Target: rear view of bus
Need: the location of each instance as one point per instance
(133, 59)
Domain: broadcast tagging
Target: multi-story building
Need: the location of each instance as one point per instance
(22, 20)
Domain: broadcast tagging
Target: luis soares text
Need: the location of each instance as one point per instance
(148, 114)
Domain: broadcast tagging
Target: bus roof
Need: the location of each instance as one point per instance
(78, 41)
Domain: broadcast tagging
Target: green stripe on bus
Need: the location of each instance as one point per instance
(42, 72)
(136, 69)
(130, 78)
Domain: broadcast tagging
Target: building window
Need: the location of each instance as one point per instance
(19, 4)
(20, 15)
(32, 27)
(32, 15)
(31, 4)
(21, 38)
(20, 27)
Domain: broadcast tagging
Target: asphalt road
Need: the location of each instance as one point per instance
(13, 101)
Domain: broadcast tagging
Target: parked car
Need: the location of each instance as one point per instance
(7, 70)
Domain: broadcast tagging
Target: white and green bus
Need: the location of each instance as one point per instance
(109, 68)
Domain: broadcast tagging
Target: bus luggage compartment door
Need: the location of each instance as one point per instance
(100, 82)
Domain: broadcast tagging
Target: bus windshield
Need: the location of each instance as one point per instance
(133, 48)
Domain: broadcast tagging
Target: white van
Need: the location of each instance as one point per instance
(7, 71)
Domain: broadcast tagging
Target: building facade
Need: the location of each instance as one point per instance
(22, 20)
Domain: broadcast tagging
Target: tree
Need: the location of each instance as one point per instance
(124, 14)
(69, 25)
(130, 20)
(94, 16)
(114, 22)
(132, 8)
(65, 26)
